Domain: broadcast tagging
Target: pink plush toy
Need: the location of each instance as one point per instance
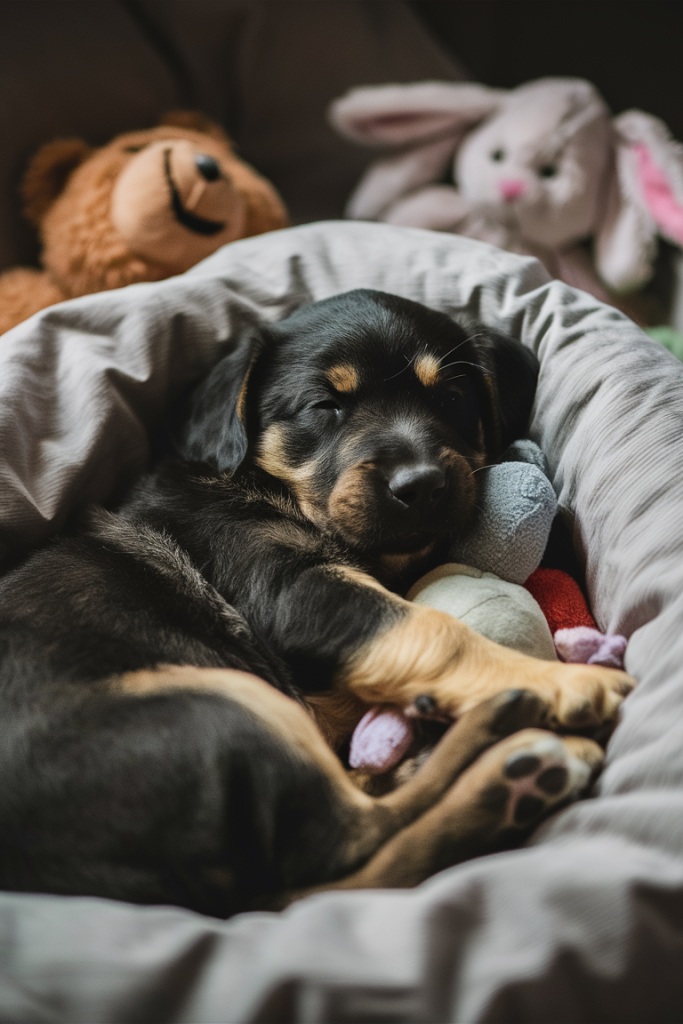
(380, 740)
(384, 735)
(586, 646)
(537, 170)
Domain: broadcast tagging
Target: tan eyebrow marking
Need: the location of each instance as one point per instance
(343, 377)
(427, 369)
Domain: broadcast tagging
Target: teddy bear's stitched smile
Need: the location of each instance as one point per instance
(200, 225)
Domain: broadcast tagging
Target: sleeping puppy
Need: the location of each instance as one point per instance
(176, 677)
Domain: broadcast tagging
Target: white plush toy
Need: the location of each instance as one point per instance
(536, 170)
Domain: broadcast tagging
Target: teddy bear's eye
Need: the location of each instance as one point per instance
(134, 149)
(498, 155)
(547, 171)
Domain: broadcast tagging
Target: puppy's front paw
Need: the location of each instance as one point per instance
(584, 696)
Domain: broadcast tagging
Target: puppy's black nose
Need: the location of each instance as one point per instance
(418, 485)
(207, 166)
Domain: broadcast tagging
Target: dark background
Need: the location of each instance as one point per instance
(632, 50)
(268, 69)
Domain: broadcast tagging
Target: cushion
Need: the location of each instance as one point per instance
(584, 923)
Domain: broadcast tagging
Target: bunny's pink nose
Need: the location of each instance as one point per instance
(510, 188)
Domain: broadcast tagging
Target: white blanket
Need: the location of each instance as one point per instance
(585, 923)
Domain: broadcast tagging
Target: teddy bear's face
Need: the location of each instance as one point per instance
(537, 167)
(176, 202)
(152, 204)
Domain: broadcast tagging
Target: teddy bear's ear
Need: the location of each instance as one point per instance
(399, 115)
(645, 199)
(47, 174)
(195, 121)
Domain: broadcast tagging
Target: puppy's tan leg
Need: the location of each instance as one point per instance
(507, 791)
(464, 801)
(427, 652)
(368, 822)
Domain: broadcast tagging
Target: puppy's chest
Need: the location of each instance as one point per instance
(229, 525)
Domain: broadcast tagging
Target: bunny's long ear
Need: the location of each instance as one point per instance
(395, 176)
(401, 115)
(426, 120)
(645, 199)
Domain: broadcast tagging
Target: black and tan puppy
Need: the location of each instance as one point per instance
(324, 463)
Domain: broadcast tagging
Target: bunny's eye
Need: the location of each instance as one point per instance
(547, 171)
(498, 155)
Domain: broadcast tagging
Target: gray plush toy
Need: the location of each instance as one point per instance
(518, 505)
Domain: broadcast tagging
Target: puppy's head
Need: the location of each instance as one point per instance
(376, 413)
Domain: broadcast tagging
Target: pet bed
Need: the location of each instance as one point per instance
(586, 922)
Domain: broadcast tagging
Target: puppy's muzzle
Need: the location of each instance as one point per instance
(412, 498)
(419, 487)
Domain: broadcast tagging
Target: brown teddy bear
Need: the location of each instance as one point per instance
(148, 205)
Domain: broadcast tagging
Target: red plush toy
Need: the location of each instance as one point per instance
(575, 632)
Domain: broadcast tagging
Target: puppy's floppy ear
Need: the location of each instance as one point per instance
(214, 429)
(510, 386)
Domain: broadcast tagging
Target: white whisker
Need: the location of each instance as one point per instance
(464, 362)
(409, 363)
(464, 341)
(454, 349)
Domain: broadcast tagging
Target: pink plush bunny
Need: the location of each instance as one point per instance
(536, 170)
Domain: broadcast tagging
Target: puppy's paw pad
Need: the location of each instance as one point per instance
(519, 765)
(517, 709)
(553, 780)
(540, 776)
(528, 807)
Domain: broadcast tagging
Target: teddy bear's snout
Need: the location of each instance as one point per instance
(174, 203)
(511, 188)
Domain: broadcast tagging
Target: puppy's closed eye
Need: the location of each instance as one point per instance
(328, 405)
(461, 406)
